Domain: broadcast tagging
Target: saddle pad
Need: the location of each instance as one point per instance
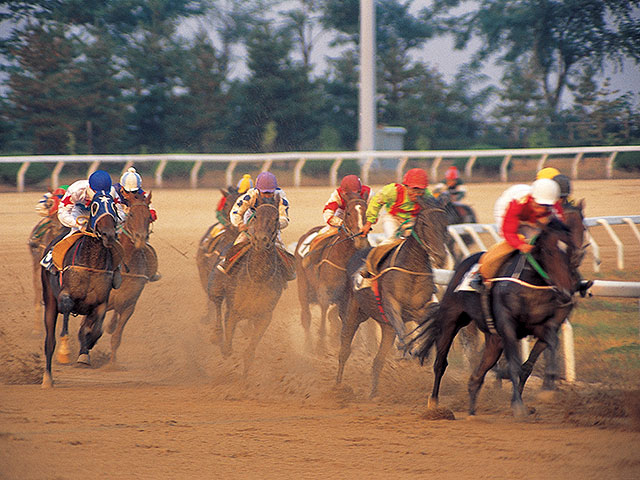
(377, 254)
(60, 249)
(320, 239)
(235, 253)
(465, 284)
(214, 237)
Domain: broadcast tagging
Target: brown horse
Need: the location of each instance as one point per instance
(322, 277)
(404, 290)
(42, 234)
(136, 271)
(212, 248)
(83, 285)
(252, 287)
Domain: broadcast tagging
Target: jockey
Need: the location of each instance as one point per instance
(244, 184)
(74, 210)
(75, 202)
(333, 211)
(399, 200)
(548, 172)
(266, 187)
(48, 204)
(564, 183)
(452, 184)
(131, 182)
(524, 217)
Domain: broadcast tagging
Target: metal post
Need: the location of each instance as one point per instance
(367, 103)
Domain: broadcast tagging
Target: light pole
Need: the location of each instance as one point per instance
(367, 91)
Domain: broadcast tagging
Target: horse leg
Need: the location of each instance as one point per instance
(350, 322)
(527, 367)
(116, 333)
(512, 354)
(64, 352)
(38, 293)
(388, 336)
(450, 329)
(229, 328)
(490, 355)
(322, 330)
(551, 359)
(50, 318)
(218, 334)
(90, 331)
(260, 325)
(305, 310)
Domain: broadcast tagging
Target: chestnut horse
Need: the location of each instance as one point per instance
(322, 276)
(404, 290)
(136, 265)
(252, 287)
(83, 285)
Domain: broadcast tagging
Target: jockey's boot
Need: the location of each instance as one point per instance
(584, 286)
(477, 284)
(116, 281)
(155, 277)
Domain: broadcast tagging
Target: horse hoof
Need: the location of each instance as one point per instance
(520, 411)
(432, 403)
(47, 381)
(84, 359)
(64, 353)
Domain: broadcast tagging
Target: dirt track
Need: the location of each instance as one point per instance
(176, 409)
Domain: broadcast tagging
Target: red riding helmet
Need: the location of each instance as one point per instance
(351, 183)
(452, 173)
(416, 178)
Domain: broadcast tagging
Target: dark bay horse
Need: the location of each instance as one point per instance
(212, 248)
(322, 278)
(405, 287)
(84, 284)
(457, 213)
(528, 297)
(252, 287)
(42, 234)
(135, 272)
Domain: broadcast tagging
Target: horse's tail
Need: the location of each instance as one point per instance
(422, 338)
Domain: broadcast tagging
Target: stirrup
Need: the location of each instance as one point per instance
(155, 277)
(584, 286)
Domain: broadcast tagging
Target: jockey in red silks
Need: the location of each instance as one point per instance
(524, 218)
(399, 200)
(333, 211)
(452, 184)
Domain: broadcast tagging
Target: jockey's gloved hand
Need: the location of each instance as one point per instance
(366, 229)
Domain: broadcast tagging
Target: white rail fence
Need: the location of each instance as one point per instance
(366, 161)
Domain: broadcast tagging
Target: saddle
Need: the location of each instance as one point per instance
(211, 240)
(60, 249)
(378, 254)
(317, 246)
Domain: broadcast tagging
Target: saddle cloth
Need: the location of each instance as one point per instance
(378, 254)
(465, 283)
(56, 254)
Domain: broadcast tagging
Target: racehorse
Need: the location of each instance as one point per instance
(531, 295)
(212, 247)
(322, 277)
(136, 266)
(83, 285)
(42, 234)
(401, 292)
(252, 287)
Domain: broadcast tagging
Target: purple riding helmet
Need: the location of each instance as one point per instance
(266, 182)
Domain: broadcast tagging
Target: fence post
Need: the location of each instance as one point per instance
(20, 177)
(434, 169)
(503, 167)
(194, 173)
(333, 172)
(297, 172)
(365, 169)
(574, 166)
(569, 353)
(616, 240)
(610, 160)
(228, 173)
(542, 161)
(469, 166)
(93, 167)
(55, 175)
(159, 171)
(400, 168)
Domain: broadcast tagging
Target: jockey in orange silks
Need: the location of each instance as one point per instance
(399, 200)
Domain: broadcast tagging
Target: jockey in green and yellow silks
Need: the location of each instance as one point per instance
(399, 200)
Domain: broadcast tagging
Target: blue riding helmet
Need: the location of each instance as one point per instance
(100, 181)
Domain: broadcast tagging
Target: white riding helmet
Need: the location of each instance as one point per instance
(545, 191)
(131, 181)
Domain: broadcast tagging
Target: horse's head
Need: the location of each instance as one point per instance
(431, 229)
(136, 225)
(263, 229)
(229, 197)
(555, 252)
(102, 219)
(355, 218)
(574, 219)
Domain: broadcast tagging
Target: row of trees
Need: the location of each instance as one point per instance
(112, 76)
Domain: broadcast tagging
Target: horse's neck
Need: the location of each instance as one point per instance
(414, 256)
(89, 251)
(261, 263)
(134, 258)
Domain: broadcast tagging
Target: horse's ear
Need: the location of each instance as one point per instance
(582, 204)
(224, 192)
(148, 197)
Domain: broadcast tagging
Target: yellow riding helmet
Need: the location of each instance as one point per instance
(548, 172)
(245, 183)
